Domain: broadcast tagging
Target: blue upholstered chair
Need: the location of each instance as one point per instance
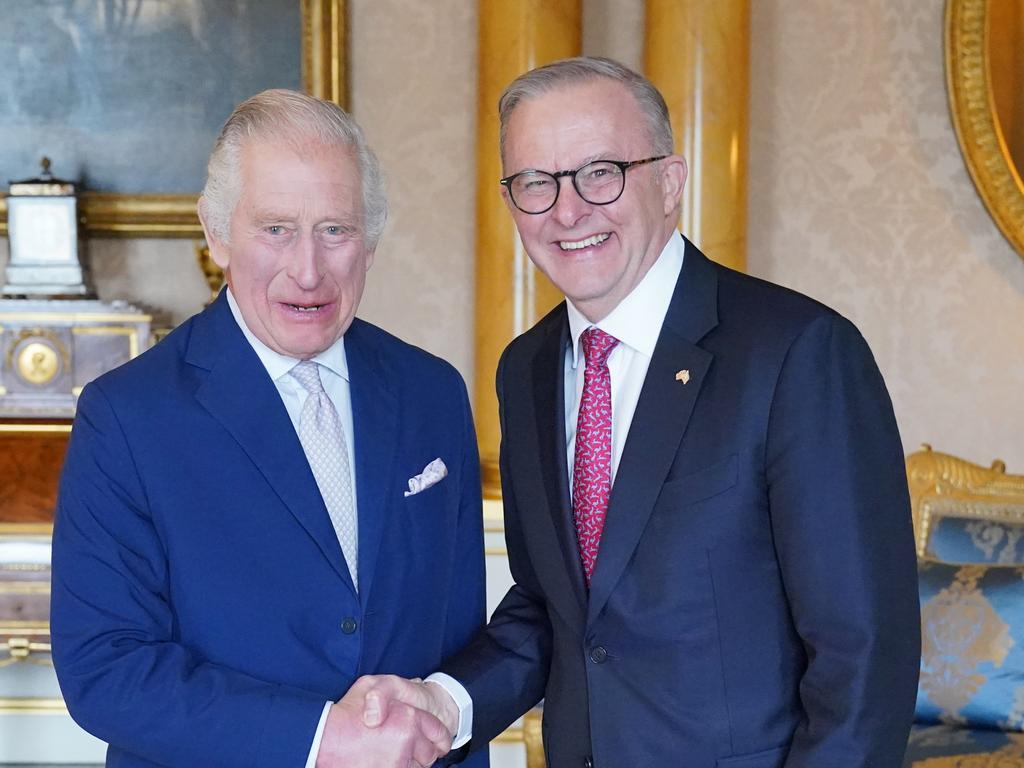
(969, 527)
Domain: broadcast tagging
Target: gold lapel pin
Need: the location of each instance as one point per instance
(683, 376)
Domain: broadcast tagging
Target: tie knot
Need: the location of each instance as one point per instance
(307, 373)
(597, 345)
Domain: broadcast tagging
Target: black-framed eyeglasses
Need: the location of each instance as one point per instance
(599, 183)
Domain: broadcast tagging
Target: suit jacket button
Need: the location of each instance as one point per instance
(597, 655)
(588, 763)
(349, 625)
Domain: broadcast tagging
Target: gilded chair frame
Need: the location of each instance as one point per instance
(942, 485)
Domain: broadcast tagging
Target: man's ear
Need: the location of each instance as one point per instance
(508, 199)
(218, 249)
(673, 179)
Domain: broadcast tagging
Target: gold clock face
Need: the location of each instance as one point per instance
(37, 363)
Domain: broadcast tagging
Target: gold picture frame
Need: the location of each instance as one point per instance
(978, 132)
(324, 74)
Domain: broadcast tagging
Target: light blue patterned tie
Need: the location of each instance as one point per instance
(323, 440)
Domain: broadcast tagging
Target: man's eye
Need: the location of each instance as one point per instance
(275, 229)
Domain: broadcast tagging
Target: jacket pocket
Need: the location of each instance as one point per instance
(700, 485)
(772, 758)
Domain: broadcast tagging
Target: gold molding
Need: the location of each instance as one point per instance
(323, 74)
(66, 428)
(21, 530)
(977, 130)
(19, 706)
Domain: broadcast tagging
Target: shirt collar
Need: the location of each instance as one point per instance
(636, 320)
(333, 358)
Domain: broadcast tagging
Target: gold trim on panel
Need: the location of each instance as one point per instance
(72, 317)
(35, 428)
(21, 530)
(110, 330)
(323, 74)
(978, 133)
(15, 627)
(12, 706)
(495, 552)
(24, 588)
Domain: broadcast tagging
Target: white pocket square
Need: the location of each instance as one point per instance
(432, 474)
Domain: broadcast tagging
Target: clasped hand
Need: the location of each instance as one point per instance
(385, 721)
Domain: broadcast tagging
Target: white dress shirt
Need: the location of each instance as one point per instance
(636, 322)
(334, 376)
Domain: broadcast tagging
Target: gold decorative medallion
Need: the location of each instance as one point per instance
(37, 363)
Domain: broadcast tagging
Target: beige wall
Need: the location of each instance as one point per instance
(858, 197)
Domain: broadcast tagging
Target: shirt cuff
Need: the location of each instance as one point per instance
(318, 737)
(462, 700)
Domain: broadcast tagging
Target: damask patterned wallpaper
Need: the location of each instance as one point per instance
(860, 198)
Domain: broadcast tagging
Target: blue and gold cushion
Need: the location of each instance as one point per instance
(972, 645)
(972, 531)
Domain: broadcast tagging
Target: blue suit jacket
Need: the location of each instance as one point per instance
(202, 611)
(754, 600)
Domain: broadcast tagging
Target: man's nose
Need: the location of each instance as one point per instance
(569, 208)
(304, 266)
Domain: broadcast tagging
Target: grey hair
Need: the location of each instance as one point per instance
(293, 117)
(584, 69)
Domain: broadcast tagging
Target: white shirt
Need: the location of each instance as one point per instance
(334, 376)
(636, 322)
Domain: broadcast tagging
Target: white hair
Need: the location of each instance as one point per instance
(297, 118)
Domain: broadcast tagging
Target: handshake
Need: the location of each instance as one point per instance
(385, 721)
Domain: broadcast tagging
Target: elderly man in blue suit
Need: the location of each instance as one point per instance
(705, 504)
(276, 499)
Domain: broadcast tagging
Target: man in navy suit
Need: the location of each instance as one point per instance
(276, 499)
(706, 510)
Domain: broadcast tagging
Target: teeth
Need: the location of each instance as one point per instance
(567, 245)
(306, 309)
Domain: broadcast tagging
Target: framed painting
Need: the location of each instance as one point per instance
(126, 97)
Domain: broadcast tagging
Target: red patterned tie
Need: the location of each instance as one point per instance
(592, 467)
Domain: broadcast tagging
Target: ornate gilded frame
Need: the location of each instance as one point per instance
(323, 74)
(970, 102)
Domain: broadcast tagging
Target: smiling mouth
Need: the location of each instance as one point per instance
(575, 245)
(305, 308)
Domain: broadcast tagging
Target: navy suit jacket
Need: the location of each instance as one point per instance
(202, 611)
(754, 600)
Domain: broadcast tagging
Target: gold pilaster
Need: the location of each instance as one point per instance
(697, 52)
(510, 294)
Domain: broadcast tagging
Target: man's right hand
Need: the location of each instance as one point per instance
(408, 738)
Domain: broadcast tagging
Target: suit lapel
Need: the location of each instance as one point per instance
(549, 407)
(375, 424)
(239, 394)
(659, 421)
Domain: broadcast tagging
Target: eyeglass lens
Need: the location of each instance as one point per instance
(598, 183)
